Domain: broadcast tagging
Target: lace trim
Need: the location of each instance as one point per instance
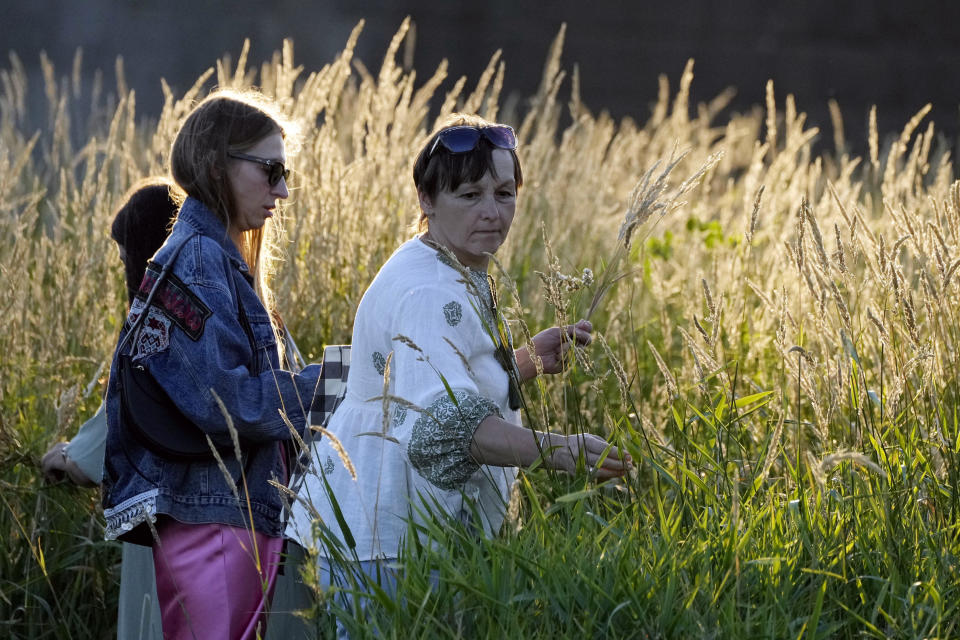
(439, 446)
(482, 285)
(131, 513)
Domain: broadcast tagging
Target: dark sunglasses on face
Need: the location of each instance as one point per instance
(274, 168)
(464, 138)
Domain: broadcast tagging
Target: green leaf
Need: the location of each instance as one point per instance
(576, 495)
(756, 397)
(699, 483)
(850, 348)
(338, 514)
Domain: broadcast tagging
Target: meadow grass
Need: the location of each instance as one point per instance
(776, 349)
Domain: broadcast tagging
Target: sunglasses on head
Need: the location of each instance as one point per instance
(464, 138)
(275, 169)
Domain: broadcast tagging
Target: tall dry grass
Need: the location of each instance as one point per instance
(778, 345)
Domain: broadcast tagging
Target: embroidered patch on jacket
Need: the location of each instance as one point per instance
(328, 466)
(176, 300)
(379, 362)
(154, 335)
(453, 312)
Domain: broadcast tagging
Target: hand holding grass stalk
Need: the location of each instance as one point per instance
(550, 351)
(648, 197)
(602, 460)
(500, 443)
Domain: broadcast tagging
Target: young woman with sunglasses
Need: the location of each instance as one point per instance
(451, 439)
(210, 342)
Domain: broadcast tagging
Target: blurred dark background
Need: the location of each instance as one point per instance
(896, 55)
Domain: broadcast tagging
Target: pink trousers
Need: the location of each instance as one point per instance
(213, 580)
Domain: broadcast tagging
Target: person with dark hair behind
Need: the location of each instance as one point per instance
(136, 230)
(139, 228)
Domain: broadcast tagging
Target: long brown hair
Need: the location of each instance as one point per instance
(225, 122)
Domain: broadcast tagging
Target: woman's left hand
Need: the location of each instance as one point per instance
(552, 346)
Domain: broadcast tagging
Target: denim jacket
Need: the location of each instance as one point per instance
(195, 346)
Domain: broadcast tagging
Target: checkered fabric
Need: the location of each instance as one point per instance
(332, 385)
(331, 388)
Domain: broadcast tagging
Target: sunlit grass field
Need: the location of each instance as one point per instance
(777, 348)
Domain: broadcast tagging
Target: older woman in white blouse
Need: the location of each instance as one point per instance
(450, 434)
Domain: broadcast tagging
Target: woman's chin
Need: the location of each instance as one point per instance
(489, 246)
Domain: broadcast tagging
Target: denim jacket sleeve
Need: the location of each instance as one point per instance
(198, 350)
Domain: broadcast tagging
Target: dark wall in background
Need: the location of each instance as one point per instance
(896, 55)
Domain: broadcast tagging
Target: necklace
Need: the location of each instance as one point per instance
(500, 331)
(504, 349)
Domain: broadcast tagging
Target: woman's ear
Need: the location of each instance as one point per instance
(216, 169)
(426, 204)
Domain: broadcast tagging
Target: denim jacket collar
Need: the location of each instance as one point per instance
(202, 219)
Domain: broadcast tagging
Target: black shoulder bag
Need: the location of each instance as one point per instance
(148, 412)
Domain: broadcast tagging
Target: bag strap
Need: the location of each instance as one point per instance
(138, 325)
(294, 359)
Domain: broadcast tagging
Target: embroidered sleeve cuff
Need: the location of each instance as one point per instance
(439, 446)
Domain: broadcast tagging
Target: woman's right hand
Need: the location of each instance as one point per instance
(563, 453)
(55, 464)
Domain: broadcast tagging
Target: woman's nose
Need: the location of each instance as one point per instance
(490, 208)
(280, 189)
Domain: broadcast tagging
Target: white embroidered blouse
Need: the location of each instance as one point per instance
(430, 334)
